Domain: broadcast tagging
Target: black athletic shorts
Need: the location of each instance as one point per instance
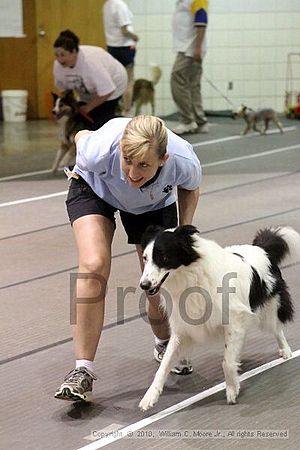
(103, 113)
(82, 201)
(125, 55)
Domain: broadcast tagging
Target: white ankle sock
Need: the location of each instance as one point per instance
(160, 341)
(85, 363)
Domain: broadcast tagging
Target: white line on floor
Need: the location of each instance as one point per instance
(196, 144)
(24, 175)
(238, 136)
(216, 163)
(33, 199)
(127, 431)
(254, 155)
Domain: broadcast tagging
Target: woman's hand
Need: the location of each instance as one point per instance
(84, 109)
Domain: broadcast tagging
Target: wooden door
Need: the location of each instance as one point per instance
(83, 17)
(26, 63)
(18, 68)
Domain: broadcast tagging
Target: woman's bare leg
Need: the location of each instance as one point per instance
(93, 234)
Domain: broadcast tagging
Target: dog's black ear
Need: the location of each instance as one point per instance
(54, 96)
(186, 230)
(69, 94)
(149, 234)
(244, 108)
(185, 234)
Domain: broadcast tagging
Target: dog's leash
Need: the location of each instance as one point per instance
(221, 93)
(71, 174)
(85, 115)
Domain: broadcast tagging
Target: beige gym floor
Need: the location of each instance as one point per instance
(248, 182)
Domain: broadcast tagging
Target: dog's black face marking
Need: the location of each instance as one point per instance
(165, 250)
(175, 248)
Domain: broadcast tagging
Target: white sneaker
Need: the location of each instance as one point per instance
(184, 128)
(202, 128)
(77, 386)
(184, 367)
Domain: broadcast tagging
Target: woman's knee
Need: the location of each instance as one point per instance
(99, 265)
(96, 267)
(92, 276)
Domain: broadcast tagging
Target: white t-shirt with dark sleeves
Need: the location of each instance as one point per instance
(96, 72)
(116, 14)
(98, 162)
(188, 15)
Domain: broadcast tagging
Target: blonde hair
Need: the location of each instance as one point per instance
(143, 133)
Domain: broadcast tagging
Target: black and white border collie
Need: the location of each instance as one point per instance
(208, 290)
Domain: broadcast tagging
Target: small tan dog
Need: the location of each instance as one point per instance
(144, 92)
(251, 118)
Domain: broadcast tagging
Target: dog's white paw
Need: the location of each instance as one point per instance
(150, 398)
(285, 353)
(231, 395)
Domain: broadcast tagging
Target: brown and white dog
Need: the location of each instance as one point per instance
(66, 113)
(144, 91)
(251, 118)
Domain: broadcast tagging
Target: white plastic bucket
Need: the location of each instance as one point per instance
(14, 105)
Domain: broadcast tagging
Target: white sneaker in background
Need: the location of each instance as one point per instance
(202, 128)
(184, 366)
(185, 128)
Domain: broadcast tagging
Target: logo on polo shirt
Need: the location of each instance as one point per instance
(167, 188)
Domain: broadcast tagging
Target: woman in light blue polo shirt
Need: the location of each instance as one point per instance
(132, 166)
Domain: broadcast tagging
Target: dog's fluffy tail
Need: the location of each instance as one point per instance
(155, 74)
(278, 243)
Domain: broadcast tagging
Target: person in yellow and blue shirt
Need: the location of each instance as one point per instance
(189, 41)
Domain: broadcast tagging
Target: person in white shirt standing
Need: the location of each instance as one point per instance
(97, 77)
(121, 42)
(189, 29)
